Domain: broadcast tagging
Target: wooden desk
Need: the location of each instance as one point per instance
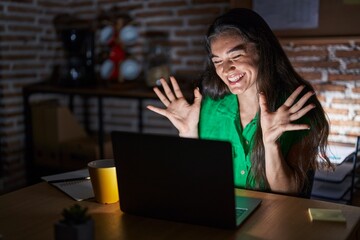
(30, 213)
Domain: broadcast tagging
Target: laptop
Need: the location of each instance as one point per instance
(178, 179)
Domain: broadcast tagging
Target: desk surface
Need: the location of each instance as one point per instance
(30, 213)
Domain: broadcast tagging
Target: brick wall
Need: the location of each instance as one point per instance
(332, 66)
(29, 49)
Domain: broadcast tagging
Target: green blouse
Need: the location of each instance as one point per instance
(220, 120)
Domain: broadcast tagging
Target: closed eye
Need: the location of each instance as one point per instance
(216, 62)
(236, 57)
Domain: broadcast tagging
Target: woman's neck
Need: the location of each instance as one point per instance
(248, 106)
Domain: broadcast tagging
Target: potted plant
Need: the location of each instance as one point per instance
(75, 225)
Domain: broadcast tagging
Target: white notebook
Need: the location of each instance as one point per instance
(76, 184)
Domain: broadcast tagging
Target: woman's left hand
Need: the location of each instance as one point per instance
(274, 124)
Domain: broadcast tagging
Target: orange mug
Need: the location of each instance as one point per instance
(104, 182)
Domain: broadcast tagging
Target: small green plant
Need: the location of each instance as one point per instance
(75, 215)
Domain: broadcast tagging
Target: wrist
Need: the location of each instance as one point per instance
(271, 146)
(189, 134)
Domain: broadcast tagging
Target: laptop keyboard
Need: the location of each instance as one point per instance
(240, 211)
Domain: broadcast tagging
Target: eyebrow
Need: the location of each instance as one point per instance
(234, 49)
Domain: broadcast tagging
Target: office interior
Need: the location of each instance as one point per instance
(37, 47)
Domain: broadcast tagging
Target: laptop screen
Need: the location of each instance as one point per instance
(173, 178)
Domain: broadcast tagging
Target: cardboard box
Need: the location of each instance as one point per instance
(53, 124)
(47, 156)
(59, 141)
(76, 153)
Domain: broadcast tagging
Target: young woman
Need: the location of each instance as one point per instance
(251, 96)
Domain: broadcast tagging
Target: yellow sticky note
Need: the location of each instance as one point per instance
(321, 214)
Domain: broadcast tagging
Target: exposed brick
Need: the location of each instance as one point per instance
(310, 75)
(168, 4)
(4, 67)
(195, 62)
(75, 4)
(11, 95)
(315, 64)
(19, 57)
(189, 52)
(307, 53)
(347, 54)
(200, 11)
(208, 1)
(163, 23)
(19, 9)
(52, 4)
(17, 18)
(319, 42)
(24, 28)
(345, 123)
(346, 101)
(356, 90)
(112, 1)
(26, 47)
(329, 87)
(336, 111)
(343, 77)
(124, 5)
(22, 38)
(175, 62)
(178, 43)
(18, 75)
(200, 21)
(353, 134)
(19, 1)
(188, 32)
(353, 65)
(26, 66)
(150, 14)
(193, 73)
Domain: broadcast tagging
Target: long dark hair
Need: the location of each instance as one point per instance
(277, 79)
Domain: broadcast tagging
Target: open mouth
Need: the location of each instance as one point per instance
(233, 79)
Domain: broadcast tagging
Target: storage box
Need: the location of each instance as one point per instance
(53, 124)
(77, 153)
(47, 156)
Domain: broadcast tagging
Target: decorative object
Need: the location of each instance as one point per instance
(130, 69)
(75, 225)
(116, 34)
(157, 59)
(77, 37)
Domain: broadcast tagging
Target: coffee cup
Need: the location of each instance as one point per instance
(104, 181)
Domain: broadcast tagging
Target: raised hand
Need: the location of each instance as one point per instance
(182, 115)
(273, 124)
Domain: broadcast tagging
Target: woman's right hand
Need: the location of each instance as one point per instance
(182, 115)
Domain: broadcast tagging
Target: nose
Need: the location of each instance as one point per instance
(228, 66)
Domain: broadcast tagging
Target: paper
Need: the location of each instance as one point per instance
(79, 189)
(285, 14)
(332, 215)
